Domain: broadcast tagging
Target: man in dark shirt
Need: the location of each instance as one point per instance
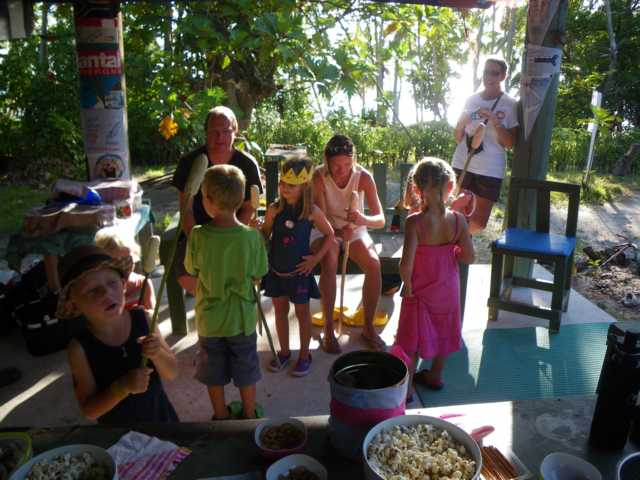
(221, 128)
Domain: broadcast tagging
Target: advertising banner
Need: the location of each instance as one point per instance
(103, 114)
(542, 63)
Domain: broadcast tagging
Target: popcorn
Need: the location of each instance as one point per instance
(69, 467)
(419, 451)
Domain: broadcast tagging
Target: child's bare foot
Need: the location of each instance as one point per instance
(225, 416)
(429, 380)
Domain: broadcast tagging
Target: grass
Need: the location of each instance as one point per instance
(15, 201)
(600, 189)
(163, 223)
(146, 172)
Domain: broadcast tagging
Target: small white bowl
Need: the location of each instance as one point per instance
(274, 454)
(100, 454)
(630, 466)
(282, 466)
(561, 466)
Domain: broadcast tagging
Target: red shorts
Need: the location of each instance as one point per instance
(482, 185)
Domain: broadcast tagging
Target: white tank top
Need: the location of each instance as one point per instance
(338, 199)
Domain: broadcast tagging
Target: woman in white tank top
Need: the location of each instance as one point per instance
(335, 184)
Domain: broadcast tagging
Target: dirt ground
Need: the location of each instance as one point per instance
(614, 287)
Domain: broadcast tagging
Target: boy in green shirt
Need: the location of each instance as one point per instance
(226, 256)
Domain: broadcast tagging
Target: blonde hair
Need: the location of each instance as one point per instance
(111, 238)
(221, 111)
(305, 202)
(408, 197)
(224, 186)
(434, 172)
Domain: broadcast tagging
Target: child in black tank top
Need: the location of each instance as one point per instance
(110, 383)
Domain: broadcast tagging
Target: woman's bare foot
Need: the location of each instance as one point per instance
(329, 343)
(373, 340)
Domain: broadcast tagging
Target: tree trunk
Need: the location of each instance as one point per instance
(509, 48)
(315, 95)
(168, 29)
(379, 41)
(476, 59)
(623, 165)
(43, 50)
(492, 45)
(396, 93)
(240, 98)
(613, 48)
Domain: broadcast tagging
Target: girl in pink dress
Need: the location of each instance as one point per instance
(436, 239)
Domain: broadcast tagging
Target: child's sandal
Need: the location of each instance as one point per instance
(277, 365)
(236, 411)
(302, 367)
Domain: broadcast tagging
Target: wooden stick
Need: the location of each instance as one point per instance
(263, 320)
(255, 204)
(478, 136)
(353, 203)
(194, 180)
(345, 259)
(495, 466)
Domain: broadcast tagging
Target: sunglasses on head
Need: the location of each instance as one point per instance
(335, 150)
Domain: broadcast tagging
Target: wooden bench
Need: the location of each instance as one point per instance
(390, 242)
(390, 252)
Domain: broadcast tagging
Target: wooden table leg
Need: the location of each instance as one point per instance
(51, 268)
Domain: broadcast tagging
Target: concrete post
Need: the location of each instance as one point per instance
(531, 156)
(103, 113)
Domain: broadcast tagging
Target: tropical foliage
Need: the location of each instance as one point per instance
(280, 64)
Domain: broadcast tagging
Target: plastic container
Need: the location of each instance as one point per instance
(562, 466)
(100, 454)
(274, 454)
(15, 450)
(618, 387)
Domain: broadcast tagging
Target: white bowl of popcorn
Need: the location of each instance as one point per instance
(416, 446)
(74, 461)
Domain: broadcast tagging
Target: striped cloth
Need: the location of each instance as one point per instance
(141, 457)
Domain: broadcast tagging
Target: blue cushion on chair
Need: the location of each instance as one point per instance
(528, 241)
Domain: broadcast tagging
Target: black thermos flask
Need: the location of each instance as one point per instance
(617, 388)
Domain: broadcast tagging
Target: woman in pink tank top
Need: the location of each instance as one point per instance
(436, 239)
(335, 185)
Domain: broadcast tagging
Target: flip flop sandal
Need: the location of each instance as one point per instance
(236, 411)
